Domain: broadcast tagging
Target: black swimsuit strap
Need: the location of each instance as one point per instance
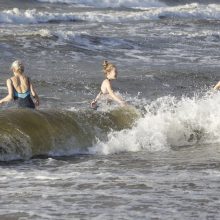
(13, 85)
(29, 85)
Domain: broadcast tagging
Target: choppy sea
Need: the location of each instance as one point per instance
(159, 157)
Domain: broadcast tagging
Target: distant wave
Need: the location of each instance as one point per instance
(110, 3)
(191, 11)
(16, 16)
(87, 40)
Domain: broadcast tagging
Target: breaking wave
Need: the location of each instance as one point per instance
(189, 11)
(110, 3)
(168, 123)
(163, 124)
(27, 133)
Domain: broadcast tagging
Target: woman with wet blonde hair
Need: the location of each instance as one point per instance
(110, 72)
(20, 88)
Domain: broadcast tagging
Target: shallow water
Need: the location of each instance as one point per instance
(182, 184)
(155, 159)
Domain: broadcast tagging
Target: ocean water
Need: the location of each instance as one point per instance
(158, 157)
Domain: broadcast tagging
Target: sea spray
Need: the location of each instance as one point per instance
(168, 123)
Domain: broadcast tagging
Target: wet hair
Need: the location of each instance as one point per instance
(18, 66)
(107, 67)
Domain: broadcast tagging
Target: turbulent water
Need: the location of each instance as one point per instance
(158, 157)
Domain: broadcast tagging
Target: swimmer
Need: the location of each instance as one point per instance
(20, 88)
(110, 72)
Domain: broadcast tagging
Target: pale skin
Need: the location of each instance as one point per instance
(217, 86)
(106, 89)
(20, 82)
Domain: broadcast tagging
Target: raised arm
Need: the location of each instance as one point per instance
(34, 94)
(9, 97)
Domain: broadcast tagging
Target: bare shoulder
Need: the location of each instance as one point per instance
(9, 81)
(106, 82)
(13, 78)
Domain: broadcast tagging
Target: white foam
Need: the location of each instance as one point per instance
(111, 3)
(168, 123)
(189, 11)
(41, 32)
(46, 177)
(44, 33)
(32, 16)
(199, 33)
(85, 40)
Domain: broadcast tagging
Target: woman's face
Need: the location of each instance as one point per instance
(13, 70)
(112, 74)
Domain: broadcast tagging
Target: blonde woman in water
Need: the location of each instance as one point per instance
(110, 72)
(20, 88)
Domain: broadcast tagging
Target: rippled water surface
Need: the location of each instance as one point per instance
(157, 158)
(182, 184)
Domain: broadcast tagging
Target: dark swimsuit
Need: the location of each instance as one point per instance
(23, 100)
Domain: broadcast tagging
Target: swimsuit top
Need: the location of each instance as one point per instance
(21, 95)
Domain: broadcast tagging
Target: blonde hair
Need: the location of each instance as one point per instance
(107, 67)
(18, 66)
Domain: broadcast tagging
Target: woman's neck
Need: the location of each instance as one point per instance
(17, 73)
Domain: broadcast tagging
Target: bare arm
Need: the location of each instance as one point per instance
(217, 86)
(98, 96)
(9, 97)
(93, 103)
(34, 94)
(113, 95)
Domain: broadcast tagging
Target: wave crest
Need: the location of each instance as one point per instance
(110, 3)
(26, 133)
(164, 124)
(189, 11)
(168, 123)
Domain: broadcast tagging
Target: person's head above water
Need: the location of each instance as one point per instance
(17, 66)
(110, 70)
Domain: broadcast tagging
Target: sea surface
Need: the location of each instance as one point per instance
(156, 158)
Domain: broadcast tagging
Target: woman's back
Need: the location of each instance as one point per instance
(20, 88)
(20, 83)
